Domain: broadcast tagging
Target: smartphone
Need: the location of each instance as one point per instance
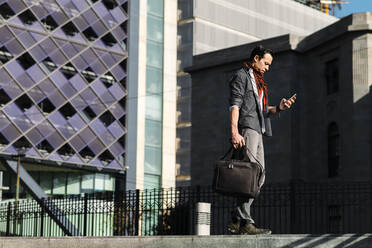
(294, 95)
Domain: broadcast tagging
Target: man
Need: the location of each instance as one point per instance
(249, 117)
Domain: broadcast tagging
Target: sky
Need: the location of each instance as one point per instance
(354, 6)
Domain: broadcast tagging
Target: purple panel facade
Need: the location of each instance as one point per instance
(25, 80)
(35, 73)
(53, 98)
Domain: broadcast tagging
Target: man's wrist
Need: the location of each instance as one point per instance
(234, 130)
(278, 109)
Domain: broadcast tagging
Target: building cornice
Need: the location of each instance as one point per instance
(359, 22)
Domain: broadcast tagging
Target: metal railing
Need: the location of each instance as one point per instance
(285, 208)
(311, 4)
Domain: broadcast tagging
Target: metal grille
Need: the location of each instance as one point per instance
(285, 208)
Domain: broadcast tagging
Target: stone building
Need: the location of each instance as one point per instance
(326, 136)
(209, 25)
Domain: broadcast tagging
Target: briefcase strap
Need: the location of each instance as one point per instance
(229, 152)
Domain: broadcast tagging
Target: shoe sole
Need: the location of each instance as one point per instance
(268, 233)
(233, 231)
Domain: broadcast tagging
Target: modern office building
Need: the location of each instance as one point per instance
(151, 103)
(63, 92)
(209, 25)
(75, 106)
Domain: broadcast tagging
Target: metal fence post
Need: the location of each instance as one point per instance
(8, 219)
(85, 214)
(137, 214)
(292, 206)
(198, 189)
(42, 213)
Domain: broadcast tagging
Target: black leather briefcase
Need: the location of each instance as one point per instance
(237, 177)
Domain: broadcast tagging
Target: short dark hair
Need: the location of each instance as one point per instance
(260, 51)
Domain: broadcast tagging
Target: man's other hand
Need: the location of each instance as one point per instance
(237, 140)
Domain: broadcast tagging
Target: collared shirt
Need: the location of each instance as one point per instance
(254, 86)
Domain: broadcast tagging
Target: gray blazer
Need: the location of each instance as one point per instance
(242, 95)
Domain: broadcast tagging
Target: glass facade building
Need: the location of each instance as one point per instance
(63, 81)
(154, 94)
(151, 104)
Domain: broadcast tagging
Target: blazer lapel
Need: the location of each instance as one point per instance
(251, 81)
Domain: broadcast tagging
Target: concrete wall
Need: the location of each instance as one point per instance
(349, 108)
(169, 95)
(254, 241)
(136, 87)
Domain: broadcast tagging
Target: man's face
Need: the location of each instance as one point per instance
(262, 65)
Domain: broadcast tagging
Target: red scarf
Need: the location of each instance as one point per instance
(260, 83)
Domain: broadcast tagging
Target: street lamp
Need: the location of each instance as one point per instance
(21, 154)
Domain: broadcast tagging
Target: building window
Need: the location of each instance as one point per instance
(123, 121)
(107, 79)
(124, 27)
(5, 55)
(89, 74)
(26, 61)
(24, 102)
(125, 7)
(67, 110)
(89, 113)
(107, 118)
(106, 157)
(90, 34)
(48, 65)
(333, 150)
(46, 106)
(332, 76)
(87, 154)
(68, 70)
(27, 17)
(45, 148)
(4, 97)
(92, 1)
(3, 141)
(109, 40)
(69, 29)
(5, 11)
(110, 4)
(49, 23)
(66, 151)
(22, 144)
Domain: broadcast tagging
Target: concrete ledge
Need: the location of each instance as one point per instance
(270, 241)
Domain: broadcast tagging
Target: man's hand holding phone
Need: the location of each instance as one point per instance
(286, 104)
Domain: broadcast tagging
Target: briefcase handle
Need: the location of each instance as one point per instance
(229, 152)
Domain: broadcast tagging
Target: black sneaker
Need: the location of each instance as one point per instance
(233, 227)
(251, 229)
